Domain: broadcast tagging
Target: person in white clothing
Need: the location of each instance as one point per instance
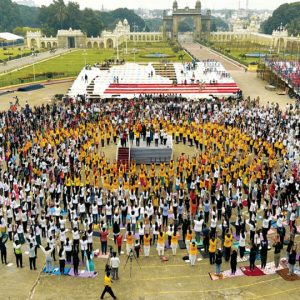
(115, 264)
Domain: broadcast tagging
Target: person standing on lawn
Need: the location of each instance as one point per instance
(219, 257)
(233, 262)
(193, 253)
(227, 245)
(115, 264)
(252, 257)
(277, 251)
(292, 261)
(107, 286)
(212, 250)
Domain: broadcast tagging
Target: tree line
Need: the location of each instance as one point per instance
(286, 14)
(59, 15)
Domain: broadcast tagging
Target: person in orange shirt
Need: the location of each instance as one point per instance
(193, 253)
(174, 243)
(188, 239)
(147, 244)
(129, 242)
(161, 243)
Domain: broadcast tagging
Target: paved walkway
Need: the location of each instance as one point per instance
(36, 97)
(28, 60)
(248, 82)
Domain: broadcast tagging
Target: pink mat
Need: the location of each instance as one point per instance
(83, 274)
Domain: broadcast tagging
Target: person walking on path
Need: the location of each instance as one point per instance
(107, 286)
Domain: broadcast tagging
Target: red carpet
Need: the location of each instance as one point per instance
(218, 88)
(255, 272)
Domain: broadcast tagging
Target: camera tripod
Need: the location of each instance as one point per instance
(130, 258)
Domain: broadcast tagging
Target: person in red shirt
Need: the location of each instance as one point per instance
(119, 243)
(103, 239)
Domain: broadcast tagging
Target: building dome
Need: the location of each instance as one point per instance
(198, 4)
(175, 5)
(125, 22)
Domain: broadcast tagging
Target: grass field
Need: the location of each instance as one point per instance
(70, 64)
(12, 52)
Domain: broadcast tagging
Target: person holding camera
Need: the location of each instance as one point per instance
(115, 264)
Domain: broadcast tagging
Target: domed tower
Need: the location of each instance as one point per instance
(198, 5)
(175, 5)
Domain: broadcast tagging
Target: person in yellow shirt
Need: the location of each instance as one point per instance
(107, 286)
(212, 250)
(188, 239)
(161, 243)
(193, 253)
(174, 243)
(129, 242)
(147, 244)
(227, 245)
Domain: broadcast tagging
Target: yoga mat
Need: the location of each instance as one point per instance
(9, 264)
(244, 259)
(270, 268)
(83, 274)
(284, 274)
(214, 276)
(255, 272)
(238, 273)
(55, 271)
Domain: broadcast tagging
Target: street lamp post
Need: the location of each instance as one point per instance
(85, 55)
(33, 65)
(118, 57)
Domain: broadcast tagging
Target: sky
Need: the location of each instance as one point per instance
(164, 4)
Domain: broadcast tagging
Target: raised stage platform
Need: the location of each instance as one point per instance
(145, 154)
(207, 78)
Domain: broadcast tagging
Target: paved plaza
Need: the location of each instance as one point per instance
(152, 279)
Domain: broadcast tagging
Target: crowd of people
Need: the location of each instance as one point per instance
(57, 187)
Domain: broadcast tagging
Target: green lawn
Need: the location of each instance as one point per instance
(12, 52)
(70, 64)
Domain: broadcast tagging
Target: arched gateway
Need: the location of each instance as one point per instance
(202, 23)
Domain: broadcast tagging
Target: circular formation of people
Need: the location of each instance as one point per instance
(58, 191)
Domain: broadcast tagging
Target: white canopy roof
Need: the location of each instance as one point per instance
(10, 36)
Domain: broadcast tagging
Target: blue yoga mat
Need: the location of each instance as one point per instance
(55, 271)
